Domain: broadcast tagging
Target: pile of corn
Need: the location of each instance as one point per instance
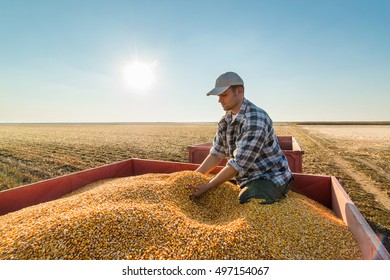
(153, 216)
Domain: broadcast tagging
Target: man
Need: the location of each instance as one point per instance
(246, 136)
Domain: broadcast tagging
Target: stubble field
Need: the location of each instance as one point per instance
(359, 155)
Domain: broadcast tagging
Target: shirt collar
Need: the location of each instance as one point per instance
(240, 114)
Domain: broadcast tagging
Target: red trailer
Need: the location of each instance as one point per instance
(324, 189)
(290, 147)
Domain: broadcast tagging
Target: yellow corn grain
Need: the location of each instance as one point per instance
(152, 216)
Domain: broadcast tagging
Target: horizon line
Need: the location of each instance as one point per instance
(209, 122)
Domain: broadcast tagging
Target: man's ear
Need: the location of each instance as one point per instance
(240, 90)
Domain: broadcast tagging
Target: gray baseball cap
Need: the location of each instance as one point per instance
(224, 81)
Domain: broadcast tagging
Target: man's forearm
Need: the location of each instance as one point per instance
(227, 173)
(208, 164)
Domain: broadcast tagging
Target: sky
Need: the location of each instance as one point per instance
(302, 60)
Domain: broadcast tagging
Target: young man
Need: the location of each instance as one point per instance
(246, 136)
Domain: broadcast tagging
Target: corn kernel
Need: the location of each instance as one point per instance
(152, 216)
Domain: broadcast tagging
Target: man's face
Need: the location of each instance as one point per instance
(230, 100)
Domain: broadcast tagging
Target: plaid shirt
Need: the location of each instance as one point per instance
(251, 145)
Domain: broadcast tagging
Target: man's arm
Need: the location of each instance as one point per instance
(209, 164)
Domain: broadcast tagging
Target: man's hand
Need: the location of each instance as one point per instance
(225, 174)
(200, 189)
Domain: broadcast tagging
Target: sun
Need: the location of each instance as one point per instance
(139, 75)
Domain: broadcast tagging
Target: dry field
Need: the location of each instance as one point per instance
(358, 155)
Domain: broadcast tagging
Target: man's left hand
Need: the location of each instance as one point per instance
(200, 189)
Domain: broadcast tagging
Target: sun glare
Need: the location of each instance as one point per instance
(139, 75)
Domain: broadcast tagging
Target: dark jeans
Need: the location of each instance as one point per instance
(264, 189)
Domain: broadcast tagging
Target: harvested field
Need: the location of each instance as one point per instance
(358, 155)
(364, 153)
(30, 153)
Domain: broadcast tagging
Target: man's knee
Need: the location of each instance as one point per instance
(247, 193)
(264, 190)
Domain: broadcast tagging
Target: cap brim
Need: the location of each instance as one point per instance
(217, 90)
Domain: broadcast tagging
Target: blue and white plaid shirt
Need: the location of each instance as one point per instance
(250, 143)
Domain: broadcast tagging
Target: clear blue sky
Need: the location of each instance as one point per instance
(304, 60)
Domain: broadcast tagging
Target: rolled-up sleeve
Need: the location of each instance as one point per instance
(218, 149)
(217, 152)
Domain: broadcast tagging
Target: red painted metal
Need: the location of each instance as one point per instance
(324, 189)
(290, 147)
(316, 187)
(43, 191)
(344, 208)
